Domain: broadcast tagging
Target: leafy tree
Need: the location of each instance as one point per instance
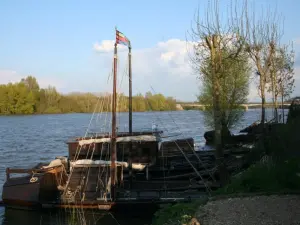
(4, 100)
(31, 83)
(138, 103)
(233, 92)
(216, 44)
(52, 98)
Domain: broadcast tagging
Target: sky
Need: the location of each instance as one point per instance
(69, 44)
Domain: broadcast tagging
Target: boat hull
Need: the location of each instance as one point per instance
(21, 192)
(33, 188)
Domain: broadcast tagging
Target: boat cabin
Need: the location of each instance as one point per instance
(140, 147)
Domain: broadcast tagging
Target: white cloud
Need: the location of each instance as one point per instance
(107, 46)
(166, 68)
(163, 68)
(167, 56)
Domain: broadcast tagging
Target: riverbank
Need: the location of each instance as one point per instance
(67, 113)
(268, 192)
(262, 194)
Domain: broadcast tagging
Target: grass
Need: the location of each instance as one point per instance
(267, 177)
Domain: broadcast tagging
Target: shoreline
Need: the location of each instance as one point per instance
(37, 114)
(149, 111)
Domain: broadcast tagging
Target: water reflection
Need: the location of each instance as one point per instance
(73, 217)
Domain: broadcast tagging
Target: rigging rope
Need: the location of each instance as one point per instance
(196, 171)
(178, 128)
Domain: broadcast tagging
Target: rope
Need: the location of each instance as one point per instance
(189, 144)
(182, 150)
(196, 171)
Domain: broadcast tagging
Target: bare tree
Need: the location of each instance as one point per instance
(262, 38)
(214, 36)
(285, 74)
(273, 87)
(281, 76)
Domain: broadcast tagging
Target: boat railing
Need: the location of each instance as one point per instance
(27, 171)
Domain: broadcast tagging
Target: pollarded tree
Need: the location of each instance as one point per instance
(234, 90)
(285, 76)
(281, 76)
(217, 43)
(262, 37)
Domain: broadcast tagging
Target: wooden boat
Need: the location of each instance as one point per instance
(110, 170)
(40, 184)
(83, 179)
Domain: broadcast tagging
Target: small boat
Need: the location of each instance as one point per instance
(41, 183)
(114, 170)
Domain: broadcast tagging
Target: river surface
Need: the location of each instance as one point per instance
(28, 140)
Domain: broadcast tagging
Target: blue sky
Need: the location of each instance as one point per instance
(55, 41)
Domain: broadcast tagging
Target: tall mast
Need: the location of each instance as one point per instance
(113, 130)
(130, 90)
(130, 115)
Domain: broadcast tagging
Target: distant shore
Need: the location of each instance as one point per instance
(66, 113)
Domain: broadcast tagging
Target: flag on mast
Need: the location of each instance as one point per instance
(122, 39)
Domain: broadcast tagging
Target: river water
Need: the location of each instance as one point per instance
(28, 140)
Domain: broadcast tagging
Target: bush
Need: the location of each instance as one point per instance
(282, 141)
(180, 213)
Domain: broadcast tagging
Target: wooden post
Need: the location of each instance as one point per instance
(7, 174)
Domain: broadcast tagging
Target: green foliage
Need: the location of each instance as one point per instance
(31, 83)
(180, 213)
(267, 177)
(234, 87)
(26, 97)
(280, 173)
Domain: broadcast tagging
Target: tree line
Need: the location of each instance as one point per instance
(26, 97)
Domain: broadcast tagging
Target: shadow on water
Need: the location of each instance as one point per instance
(73, 217)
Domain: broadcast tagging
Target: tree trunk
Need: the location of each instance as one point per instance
(282, 108)
(222, 170)
(263, 116)
(276, 109)
(275, 100)
(263, 103)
